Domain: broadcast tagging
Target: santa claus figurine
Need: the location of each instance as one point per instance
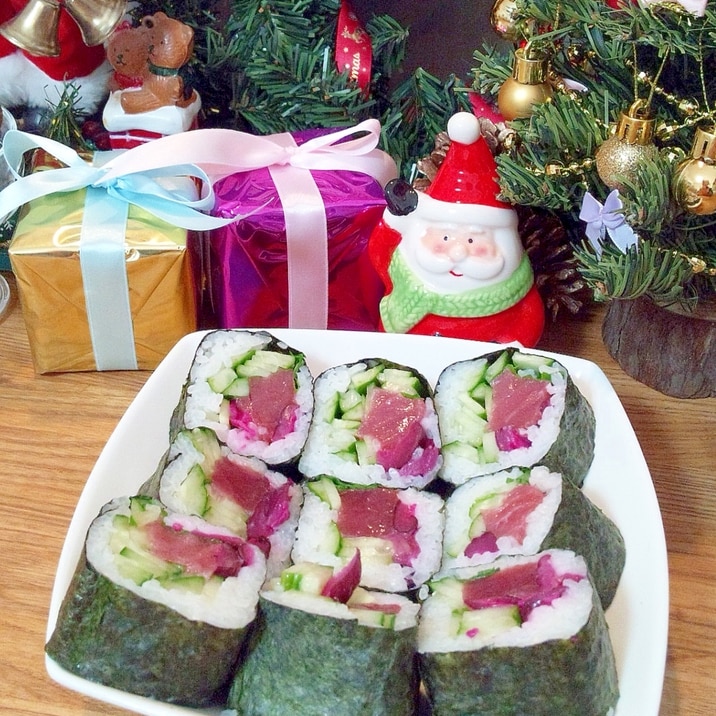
(28, 80)
(451, 259)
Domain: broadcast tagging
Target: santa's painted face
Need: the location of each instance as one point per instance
(451, 258)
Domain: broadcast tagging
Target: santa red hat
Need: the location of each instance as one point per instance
(465, 188)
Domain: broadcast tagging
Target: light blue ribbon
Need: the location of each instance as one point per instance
(104, 281)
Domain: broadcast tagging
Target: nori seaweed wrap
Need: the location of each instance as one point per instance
(342, 655)
(522, 511)
(373, 423)
(253, 390)
(159, 606)
(524, 635)
(511, 408)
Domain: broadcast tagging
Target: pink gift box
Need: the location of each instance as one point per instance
(248, 261)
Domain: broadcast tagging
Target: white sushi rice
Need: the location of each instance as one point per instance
(458, 519)
(319, 455)
(454, 382)
(206, 408)
(316, 540)
(231, 605)
(562, 619)
(406, 618)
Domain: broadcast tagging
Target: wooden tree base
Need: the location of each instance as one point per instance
(670, 351)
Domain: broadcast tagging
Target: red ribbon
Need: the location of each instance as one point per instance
(354, 52)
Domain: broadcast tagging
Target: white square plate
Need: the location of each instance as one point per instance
(618, 482)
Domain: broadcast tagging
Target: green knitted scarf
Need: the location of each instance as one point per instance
(410, 300)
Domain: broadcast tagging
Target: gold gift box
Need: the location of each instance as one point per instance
(45, 258)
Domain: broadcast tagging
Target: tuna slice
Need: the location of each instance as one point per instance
(526, 585)
(268, 411)
(394, 422)
(198, 554)
(517, 402)
(378, 512)
(509, 518)
(239, 482)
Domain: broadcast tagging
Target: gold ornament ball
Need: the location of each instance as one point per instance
(515, 100)
(617, 160)
(694, 182)
(527, 86)
(502, 19)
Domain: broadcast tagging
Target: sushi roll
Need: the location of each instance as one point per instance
(511, 408)
(327, 646)
(160, 605)
(397, 532)
(373, 423)
(242, 494)
(524, 635)
(522, 511)
(254, 391)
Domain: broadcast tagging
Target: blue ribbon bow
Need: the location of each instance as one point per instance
(144, 189)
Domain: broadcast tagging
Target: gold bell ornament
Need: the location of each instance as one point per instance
(630, 144)
(35, 28)
(694, 182)
(529, 85)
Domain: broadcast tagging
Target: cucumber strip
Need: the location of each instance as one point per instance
(263, 363)
(326, 490)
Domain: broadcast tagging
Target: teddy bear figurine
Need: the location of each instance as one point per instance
(148, 97)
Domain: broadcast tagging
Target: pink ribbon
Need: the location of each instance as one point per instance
(225, 152)
(306, 243)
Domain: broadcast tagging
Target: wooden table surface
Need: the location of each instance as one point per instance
(52, 429)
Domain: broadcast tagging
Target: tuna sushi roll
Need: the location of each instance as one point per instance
(397, 532)
(524, 635)
(254, 391)
(204, 478)
(327, 646)
(511, 408)
(160, 604)
(522, 511)
(373, 423)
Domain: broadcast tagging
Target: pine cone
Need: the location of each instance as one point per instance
(429, 165)
(556, 276)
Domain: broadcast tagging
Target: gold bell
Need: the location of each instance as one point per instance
(95, 18)
(34, 29)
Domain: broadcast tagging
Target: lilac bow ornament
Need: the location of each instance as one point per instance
(606, 219)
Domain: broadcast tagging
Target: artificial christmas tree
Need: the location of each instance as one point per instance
(281, 67)
(631, 111)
